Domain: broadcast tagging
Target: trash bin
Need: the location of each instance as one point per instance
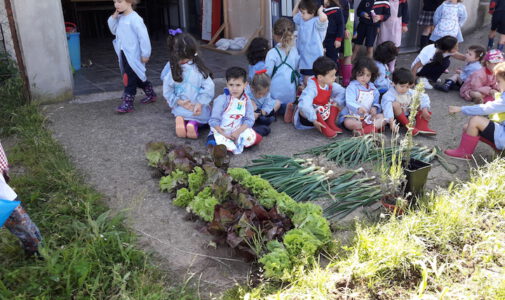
(74, 45)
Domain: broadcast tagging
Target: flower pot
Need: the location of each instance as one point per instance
(417, 175)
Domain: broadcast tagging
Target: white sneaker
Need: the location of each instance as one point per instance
(426, 83)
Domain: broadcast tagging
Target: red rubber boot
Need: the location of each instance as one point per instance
(422, 125)
(327, 131)
(334, 111)
(466, 147)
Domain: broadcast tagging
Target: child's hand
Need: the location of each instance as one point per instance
(426, 114)
(115, 14)
(377, 18)
(338, 44)
(405, 29)
(373, 111)
(319, 126)
(454, 109)
(365, 15)
(234, 135)
(197, 110)
(362, 111)
(347, 34)
(320, 10)
(145, 60)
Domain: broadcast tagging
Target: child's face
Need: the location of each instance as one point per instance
(364, 76)
(501, 83)
(236, 86)
(329, 78)
(305, 15)
(490, 66)
(122, 5)
(471, 56)
(401, 88)
(260, 92)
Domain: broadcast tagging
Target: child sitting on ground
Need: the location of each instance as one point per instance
(282, 65)
(256, 55)
(481, 86)
(232, 115)
(187, 85)
(434, 59)
(396, 104)
(361, 113)
(265, 107)
(318, 104)
(473, 59)
(490, 131)
(383, 55)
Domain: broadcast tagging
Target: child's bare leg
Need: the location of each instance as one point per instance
(476, 124)
(277, 105)
(379, 121)
(352, 124)
(355, 52)
(476, 97)
(501, 43)
(397, 108)
(369, 52)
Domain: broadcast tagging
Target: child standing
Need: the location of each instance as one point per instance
(448, 20)
(434, 59)
(383, 55)
(361, 113)
(482, 85)
(497, 10)
(320, 100)
(265, 107)
(282, 65)
(311, 33)
(19, 222)
(133, 48)
(393, 28)
(426, 20)
(396, 104)
(232, 116)
(473, 59)
(187, 85)
(335, 32)
(256, 55)
(371, 14)
(488, 130)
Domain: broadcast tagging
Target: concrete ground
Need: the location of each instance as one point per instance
(109, 149)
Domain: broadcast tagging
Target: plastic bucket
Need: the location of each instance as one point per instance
(417, 175)
(74, 49)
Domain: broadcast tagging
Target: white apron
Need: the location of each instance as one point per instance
(231, 120)
(449, 24)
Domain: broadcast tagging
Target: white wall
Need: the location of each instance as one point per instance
(7, 35)
(43, 43)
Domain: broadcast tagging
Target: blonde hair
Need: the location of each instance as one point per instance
(499, 70)
(133, 2)
(285, 29)
(260, 81)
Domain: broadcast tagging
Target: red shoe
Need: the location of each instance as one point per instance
(403, 120)
(346, 75)
(288, 114)
(327, 131)
(368, 128)
(491, 144)
(466, 147)
(334, 111)
(422, 125)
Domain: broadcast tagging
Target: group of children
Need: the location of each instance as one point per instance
(296, 78)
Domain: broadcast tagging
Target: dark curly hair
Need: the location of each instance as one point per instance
(362, 63)
(385, 52)
(311, 6)
(257, 51)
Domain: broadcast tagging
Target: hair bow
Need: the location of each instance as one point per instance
(174, 32)
(261, 71)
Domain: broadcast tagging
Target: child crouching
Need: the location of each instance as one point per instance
(265, 107)
(490, 131)
(232, 115)
(481, 86)
(396, 104)
(318, 104)
(361, 113)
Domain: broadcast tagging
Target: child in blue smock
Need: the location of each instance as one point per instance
(448, 20)
(491, 129)
(396, 104)
(320, 102)
(232, 115)
(256, 55)
(265, 107)
(133, 48)
(361, 114)
(282, 64)
(473, 58)
(187, 85)
(311, 33)
(383, 55)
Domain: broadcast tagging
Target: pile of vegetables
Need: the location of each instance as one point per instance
(242, 210)
(304, 180)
